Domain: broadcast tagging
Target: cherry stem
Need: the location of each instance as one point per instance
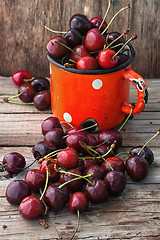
(67, 123)
(155, 135)
(121, 153)
(129, 40)
(45, 225)
(88, 148)
(126, 119)
(54, 31)
(50, 155)
(124, 8)
(77, 225)
(106, 13)
(125, 32)
(3, 165)
(19, 103)
(46, 184)
(78, 177)
(68, 48)
(120, 44)
(28, 80)
(72, 61)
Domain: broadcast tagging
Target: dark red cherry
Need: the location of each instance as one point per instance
(137, 167)
(27, 92)
(55, 136)
(97, 192)
(115, 181)
(73, 37)
(122, 58)
(102, 150)
(68, 158)
(73, 130)
(109, 136)
(112, 36)
(96, 22)
(96, 171)
(74, 139)
(19, 76)
(55, 49)
(81, 51)
(14, 162)
(92, 140)
(42, 100)
(35, 179)
(40, 83)
(87, 63)
(86, 162)
(53, 174)
(106, 58)
(31, 208)
(78, 201)
(115, 162)
(145, 153)
(42, 149)
(49, 124)
(16, 191)
(73, 186)
(80, 22)
(94, 40)
(55, 197)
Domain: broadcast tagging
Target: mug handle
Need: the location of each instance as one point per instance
(142, 90)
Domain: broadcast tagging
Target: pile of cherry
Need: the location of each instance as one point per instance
(76, 168)
(31, 90)
(88, 45)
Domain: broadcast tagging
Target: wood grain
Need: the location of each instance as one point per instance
(24, 37)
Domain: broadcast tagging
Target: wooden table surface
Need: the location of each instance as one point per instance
(135, 214)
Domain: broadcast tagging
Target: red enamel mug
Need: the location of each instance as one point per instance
(82, 97)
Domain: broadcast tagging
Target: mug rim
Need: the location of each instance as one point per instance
(55, 62)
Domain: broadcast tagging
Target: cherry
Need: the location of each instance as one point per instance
(96, 171)
(74, 129)
(102, 150)
(26, 92)
(74, 139)
(56, 50)
(73, 186)
(122, 58)
(87, 63)
(145, 153)
(19, 76)
(137, 167)
(16, 191)
(115, 181)
(68, 158)
(55, 197)
(116, 163)
(108, 137)
(31, 208)
(97, 192)
(112, 36)
(92, 140)
(14, 162)
(96, 22)
(41, 149)
(35, 179)
(53, 173)
(55, 136)
(78, 201)
(86, 162)
(94, 40)
(42, 100)
(107, 58)
(73, 37)
(40, 83)
(49, 124)
(80, 22)
(79, 51)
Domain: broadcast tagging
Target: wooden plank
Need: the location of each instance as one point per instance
(25, 36)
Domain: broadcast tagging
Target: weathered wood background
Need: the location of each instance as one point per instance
(23, 36)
